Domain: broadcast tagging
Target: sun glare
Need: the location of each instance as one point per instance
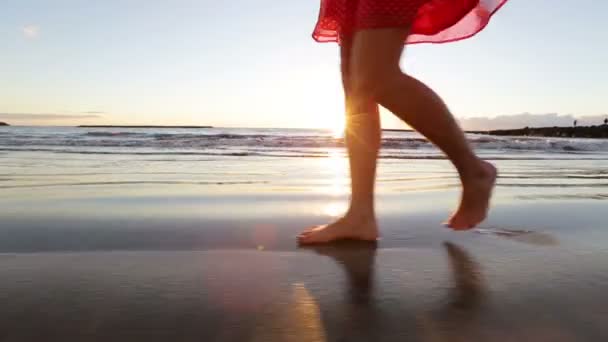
(337, 127)
(337, 165)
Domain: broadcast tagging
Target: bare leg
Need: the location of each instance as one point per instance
(363, 142)
(376, 76)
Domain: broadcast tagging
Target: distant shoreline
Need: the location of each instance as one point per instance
(411, 130)
(597, 132)
(593, 132)
(115, 126)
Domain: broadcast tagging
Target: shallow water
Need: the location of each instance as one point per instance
(85, 177)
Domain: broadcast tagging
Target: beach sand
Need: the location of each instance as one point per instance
(120, 247)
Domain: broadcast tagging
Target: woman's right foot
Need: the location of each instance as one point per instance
(476, 194)
(350, 227)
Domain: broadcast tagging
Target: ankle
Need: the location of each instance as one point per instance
(473, 169)
(360, 214)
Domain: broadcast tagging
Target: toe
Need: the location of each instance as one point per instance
(307, 240)
(456, 223)
(463, 226)
(308, 231)
(304, 237)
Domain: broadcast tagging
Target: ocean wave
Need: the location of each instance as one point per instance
(230, 143)
(583, 196)
(114, 134)
(44, 185)
(285, 154)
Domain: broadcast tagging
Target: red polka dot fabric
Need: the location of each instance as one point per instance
(431, 21)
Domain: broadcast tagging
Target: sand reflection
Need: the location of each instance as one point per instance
(336, 165)
(453, 320)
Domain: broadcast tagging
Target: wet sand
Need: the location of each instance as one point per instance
(124, 248)
(136, 279)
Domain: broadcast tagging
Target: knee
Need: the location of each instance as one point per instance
(372, 81)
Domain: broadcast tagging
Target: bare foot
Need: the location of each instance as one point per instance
(476, 194)
(346, 228)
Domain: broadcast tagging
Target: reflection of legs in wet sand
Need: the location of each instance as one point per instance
(356, 319)
(461, 319)
(468, 285)
(361, 319)
(465, 315)
(453, 322)
(357, 258)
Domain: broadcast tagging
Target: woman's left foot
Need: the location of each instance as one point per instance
(347, 228)
(476, 194)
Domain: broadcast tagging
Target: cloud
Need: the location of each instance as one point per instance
(30, 31)
(529, 120)
(28, 116)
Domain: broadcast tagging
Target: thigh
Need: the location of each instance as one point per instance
(346, 48)
(377, 52)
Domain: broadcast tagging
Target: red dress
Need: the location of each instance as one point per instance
(431, 21)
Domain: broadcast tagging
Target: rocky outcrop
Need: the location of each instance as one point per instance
(564, 132)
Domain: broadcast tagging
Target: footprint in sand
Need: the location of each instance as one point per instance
(525, 236)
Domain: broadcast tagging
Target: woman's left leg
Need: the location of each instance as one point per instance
(362, 137)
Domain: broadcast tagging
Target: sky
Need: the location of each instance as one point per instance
(253, 63)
